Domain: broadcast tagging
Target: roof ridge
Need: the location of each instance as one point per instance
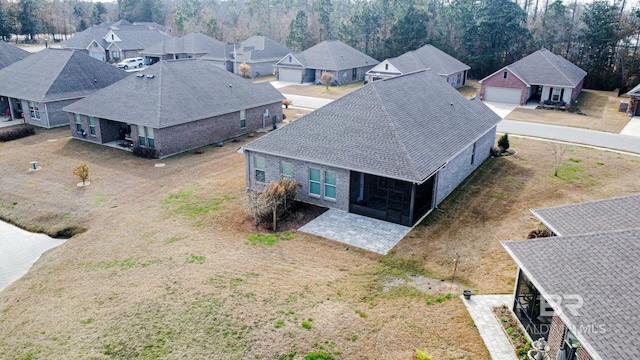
(555, 65)
(159, 107)
(395, 130)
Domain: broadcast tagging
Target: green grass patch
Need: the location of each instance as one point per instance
(401, 268)
(361, 313)
(599, 163)
(570, 172)
(121, 265)
(575, 160)
(306, 324)
(188, 203)
(271, 239)
(172, 239)
(86, 321)
(279, 324)
(318, 355)
(196, 259)
(500, 196)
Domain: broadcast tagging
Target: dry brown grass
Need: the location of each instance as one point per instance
(320, 91)
(165, 269)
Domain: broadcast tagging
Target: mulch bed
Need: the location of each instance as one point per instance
(301, 214)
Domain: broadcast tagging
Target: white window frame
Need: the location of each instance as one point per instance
(282, 166)
(258, 169)
(319, 182)
(78, 123)
(243, 119)
(329, 185)
(92, 126)
(141, 136)
(34, 110)
(151, 140)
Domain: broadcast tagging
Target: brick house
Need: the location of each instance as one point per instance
(174, 106)
(391, 150)
(39, 86)
(344, 62)
(634, 95)
(542, 76)
(578, 288)
(446, 66)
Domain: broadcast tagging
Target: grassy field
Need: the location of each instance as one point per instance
(171, 267)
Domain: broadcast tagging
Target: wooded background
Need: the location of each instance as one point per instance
(599, 36)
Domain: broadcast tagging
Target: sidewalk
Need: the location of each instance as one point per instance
(479, 307)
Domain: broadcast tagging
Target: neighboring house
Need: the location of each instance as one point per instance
(39, 86)
(9, 54)
(578, 289)
(542, 76)
(193, 45)
(259, 52)
(391, 150)
(446, 66)
(634, 96)
(344, 62)
(116, 41)
(174, 106)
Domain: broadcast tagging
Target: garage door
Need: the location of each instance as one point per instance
(290, 75)
(503, 95)
(97, 55)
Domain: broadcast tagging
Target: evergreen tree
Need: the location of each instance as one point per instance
(209, 27)
(141, 11)
(299, 34)
(556, 26)
(364, 30)
(599, 39)
(29, 22)
(6, 27)
(324, 8)
(409, 33)
(97, 12)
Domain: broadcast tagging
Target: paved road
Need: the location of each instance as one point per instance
(572, 135)
(307, 102)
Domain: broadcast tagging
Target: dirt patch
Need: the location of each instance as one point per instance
(426, 285)
(301, 214)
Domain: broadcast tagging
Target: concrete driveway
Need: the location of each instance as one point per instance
(502, 109)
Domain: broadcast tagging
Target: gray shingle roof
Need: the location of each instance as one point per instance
(334, 55)
(10, 54)
(404, 128)
(635, 91)
(603, 269)
(260, 49)
(193, 43)
(134, 37)
(178, 92)
(428, 57)
(54, 74)
(546, 68)
(595, 216)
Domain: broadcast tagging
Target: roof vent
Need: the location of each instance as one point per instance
(139, 75)
(150, 76)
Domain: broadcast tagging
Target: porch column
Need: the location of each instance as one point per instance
(412, 204)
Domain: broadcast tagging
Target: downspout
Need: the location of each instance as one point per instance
(413, 201)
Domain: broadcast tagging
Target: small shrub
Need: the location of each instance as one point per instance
(244, 69)
(503, 142)
(539, 233)
(146, 153)
(326, 79)
(18, 133)
(307, 324)
(423, 355)
(496, 152)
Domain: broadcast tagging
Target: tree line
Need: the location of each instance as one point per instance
(602, 37)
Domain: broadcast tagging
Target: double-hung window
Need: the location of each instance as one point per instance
(92, 125)
(78, 123)
(243, 119)
(314, 182)
(286, 169)
(260, 169)
(141, 137)
(329, 185)
(151, 138)
(34, 110)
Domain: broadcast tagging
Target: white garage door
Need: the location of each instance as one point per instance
(503, 95)
(97, 55)
(290, 75)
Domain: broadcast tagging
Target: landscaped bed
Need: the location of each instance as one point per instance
(171, 266)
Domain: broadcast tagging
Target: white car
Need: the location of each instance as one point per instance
(131, 63)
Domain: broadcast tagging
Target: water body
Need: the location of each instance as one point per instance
(19, 250)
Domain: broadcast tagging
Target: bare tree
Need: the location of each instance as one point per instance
(82, 171)
(326, 79)
(244, 69)
(559, 150)
(256, 204)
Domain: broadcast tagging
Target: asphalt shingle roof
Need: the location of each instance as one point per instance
(405, 128)
(635, 91)
(134, 37)
(10, 54)
(193, 43)
(260, 49)
(603, 270)
(334, 55)
(546, 68)
(595, 216)
(428, 57)
(54, 74)
(176, 92)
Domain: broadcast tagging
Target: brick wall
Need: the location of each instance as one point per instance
(300, 173)
(179, 138)
(511, 81)
(460, 167)
(583, 354)
(556, 336)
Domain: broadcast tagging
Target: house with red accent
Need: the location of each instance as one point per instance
(578, 288)
(542, 76)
